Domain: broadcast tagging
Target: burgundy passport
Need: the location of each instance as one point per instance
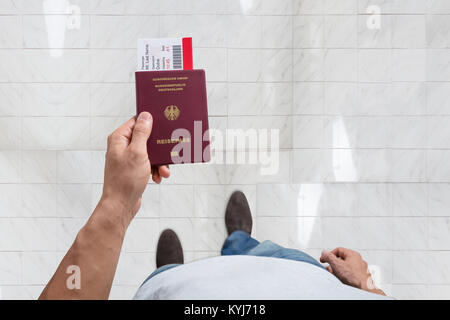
(178, 104)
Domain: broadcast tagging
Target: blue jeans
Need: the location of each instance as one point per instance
(241, 243)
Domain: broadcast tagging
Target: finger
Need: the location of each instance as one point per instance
(156, 177)
(164, 171)
(330, 258)
(323, 256)
(341, 252)
(330, 270)
(124, 133)
(142, 130)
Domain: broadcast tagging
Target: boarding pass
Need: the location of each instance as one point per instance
(164, 54)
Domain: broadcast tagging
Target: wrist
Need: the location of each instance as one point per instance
(369, 286)
(376, 291)
(112, 214)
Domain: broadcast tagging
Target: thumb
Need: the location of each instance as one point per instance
(330, 258)
(142, 130)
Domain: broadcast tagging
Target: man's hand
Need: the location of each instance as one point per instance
(96, 249)
(128, 168)
(349, 267)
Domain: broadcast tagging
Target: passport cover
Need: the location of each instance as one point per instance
(176, 100)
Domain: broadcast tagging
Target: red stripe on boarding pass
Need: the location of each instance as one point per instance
(188, 63)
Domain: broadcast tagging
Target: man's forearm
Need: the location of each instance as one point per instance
(94, 253)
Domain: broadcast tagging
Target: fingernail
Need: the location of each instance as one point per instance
(145, 116)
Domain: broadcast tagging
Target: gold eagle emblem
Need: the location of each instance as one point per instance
(172, 113)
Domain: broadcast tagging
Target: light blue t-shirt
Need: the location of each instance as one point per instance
(248, 278)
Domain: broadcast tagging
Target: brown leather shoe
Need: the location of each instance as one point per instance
(169, 250)
(237, 214)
